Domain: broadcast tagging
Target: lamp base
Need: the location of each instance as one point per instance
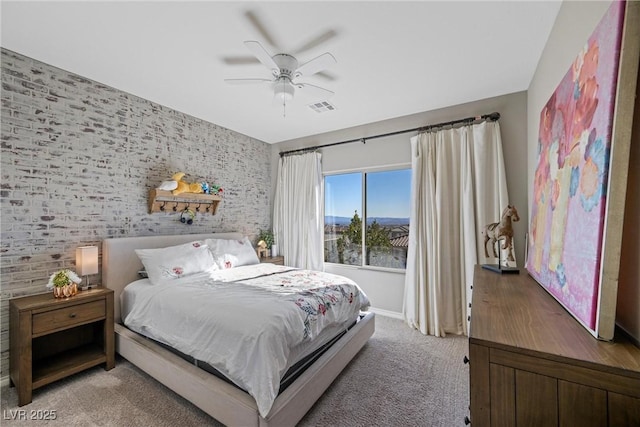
(497, 268)
(86, 285)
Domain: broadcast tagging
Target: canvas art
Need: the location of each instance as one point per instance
(570, 183)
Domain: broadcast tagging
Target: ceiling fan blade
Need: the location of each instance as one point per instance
(325, 75)
(239, 60)
(246, 81)
(327, 35)
(262, 55)
(257, 23)
(316, 65)
(316, 92)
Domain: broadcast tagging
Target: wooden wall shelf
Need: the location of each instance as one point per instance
(165, 201)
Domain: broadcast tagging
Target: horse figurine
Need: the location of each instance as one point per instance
(501, 230)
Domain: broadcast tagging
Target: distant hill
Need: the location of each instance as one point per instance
(343, 220)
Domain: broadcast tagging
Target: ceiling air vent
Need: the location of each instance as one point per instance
(322, 107)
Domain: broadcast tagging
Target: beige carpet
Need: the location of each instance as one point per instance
(400, 378)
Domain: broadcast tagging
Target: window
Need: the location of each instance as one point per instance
(370, 204)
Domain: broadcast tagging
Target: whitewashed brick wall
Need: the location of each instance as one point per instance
(78, 159)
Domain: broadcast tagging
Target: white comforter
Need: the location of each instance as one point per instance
(245, 321)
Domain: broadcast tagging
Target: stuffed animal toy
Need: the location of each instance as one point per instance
(216, 190)
(205, 187)
(178, 186)
(182, 186)
(195, 187)
(168, 185)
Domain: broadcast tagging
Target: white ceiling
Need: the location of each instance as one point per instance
(393, 58)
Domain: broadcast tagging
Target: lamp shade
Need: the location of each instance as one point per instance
(87, 260)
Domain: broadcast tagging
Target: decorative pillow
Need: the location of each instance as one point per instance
(225, 261)
(234, 252)
(174, 262)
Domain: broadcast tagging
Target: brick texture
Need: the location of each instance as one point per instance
(78, 159)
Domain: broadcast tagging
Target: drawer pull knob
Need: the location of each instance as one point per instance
(465, 360)
(72, 315)
(467, 421)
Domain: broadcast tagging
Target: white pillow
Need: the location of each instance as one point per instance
(232, 253)
(174, 262)
(225, 261)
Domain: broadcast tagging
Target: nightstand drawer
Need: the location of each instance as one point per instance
(69, 316)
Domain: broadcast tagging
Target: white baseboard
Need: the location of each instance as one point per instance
(387, 313)
(4, 381)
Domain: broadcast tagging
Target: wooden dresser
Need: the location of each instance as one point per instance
(533, 364)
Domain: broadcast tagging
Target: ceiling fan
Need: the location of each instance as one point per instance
(285, 69)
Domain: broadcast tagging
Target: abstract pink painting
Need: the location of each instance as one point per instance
(570, 183)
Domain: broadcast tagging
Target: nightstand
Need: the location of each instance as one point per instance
(278, 260)
(52, 338)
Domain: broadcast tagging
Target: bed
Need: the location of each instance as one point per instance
(216, 396)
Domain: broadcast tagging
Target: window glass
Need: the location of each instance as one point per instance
(382, 217)
(388, 200)
(342, 224)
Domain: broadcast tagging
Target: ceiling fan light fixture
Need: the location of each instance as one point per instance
(283, 90)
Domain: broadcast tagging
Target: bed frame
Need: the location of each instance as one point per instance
(223, 401)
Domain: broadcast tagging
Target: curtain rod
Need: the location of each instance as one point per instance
(492, 117)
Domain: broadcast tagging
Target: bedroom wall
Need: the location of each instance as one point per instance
(78, 159)
(574, 24)
(384, 288)
(628, 304)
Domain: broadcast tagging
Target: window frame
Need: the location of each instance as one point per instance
(363, 171)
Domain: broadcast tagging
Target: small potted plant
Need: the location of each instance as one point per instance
(64, 283)
(266, 236)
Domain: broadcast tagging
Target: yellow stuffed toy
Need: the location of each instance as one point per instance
(185, 187)
(195, 187)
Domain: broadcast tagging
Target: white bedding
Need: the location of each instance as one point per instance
(246, 321)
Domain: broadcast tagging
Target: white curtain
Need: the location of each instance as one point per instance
(458, 185)
(298, 211)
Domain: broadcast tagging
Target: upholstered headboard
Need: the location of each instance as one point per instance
(120, 264)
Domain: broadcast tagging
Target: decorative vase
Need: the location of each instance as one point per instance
(65, 291)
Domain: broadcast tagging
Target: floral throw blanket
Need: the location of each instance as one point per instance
(315, 293)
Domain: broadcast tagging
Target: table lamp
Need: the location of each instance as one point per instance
(87, 261)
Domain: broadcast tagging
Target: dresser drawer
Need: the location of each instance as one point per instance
(67, 317)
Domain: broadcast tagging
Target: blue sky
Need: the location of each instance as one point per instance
(389, 194)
